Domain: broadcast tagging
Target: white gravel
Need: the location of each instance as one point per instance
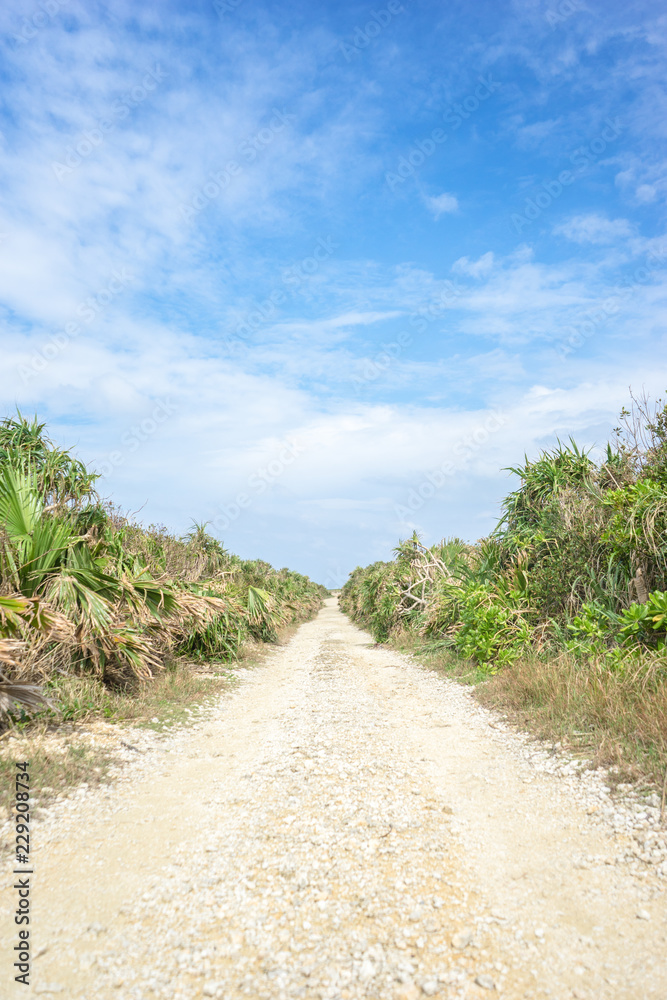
(347, 824)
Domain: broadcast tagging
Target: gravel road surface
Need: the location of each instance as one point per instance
(345, 824)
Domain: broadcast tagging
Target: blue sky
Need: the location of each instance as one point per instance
(316, 273)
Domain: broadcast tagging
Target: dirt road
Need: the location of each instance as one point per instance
(345, 824)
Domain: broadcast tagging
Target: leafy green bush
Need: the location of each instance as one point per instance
(646, 623)
(492, 628)
(578, 561)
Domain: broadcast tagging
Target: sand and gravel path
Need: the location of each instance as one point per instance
(345, 824)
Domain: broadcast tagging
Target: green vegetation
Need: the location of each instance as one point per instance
(86, 594)
(563, 608)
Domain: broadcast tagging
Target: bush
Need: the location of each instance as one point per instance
(85, 592)
(578, 561)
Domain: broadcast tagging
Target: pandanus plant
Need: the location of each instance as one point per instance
(71, 598)
(84, 590)
(17, 694)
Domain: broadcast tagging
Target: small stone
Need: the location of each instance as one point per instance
(367, 971)
(643, 915)
(461, 940)
(407, 992)
(430, 987)
(485, 981)
(415, 915)
(210, 989)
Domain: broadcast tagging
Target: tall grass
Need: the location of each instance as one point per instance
(617, 717)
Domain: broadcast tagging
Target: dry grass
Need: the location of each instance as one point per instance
(60, 749)
(443, 661)
(52, 769)
(618, 719)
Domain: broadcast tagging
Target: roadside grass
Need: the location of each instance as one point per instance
(53, 769)
(61, 746)
(166, 697)
(438, 658)
(616, 719)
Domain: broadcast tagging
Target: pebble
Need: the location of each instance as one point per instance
(485, 981)
(461, 940)
(407, 992)
(328, 868)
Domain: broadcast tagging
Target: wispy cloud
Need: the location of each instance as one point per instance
(247, 189)
(474, 268)
(595, 229)
(442, 204)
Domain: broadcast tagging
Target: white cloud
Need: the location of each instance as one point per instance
(646, 193)
(358, 318)
(533, 135)
(343, 503)
(474, 268)
(442, 204)
(594, 228)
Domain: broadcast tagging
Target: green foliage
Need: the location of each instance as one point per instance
(61, 480)
(645, 623)
(83, 591)
(636, 529)
(641, 439)
(493, 630)
(552, 474)
(578, 561)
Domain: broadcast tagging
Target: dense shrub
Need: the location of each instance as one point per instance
(578, 562)
(85, 591)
